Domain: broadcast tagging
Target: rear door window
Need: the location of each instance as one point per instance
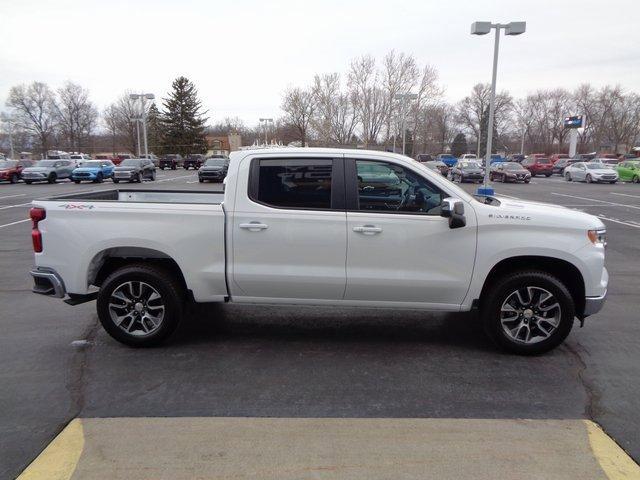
(292, 183)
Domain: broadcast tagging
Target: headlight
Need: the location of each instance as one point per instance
(598, 237)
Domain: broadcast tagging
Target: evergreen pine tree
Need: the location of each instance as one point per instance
(154, 130)
(183, 122)
(459, 145)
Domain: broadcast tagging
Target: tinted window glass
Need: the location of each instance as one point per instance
(385, 187)
(295, 183)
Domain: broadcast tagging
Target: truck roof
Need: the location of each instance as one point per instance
(310, 151)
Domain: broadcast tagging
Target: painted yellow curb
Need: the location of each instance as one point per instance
(59, 460)
(613, 460)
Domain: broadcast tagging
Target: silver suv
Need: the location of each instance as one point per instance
(48, 171)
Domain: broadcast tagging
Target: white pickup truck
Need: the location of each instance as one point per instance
(322, 227)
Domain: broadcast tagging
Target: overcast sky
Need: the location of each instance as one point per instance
(242, 54)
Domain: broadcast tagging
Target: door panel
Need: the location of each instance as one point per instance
(399, 248)
(289, 229)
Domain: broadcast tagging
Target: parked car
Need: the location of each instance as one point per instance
(628, 156)
(48, 171)
(424, 157)
(516, 157)
(344, 227)
(104, 157)
(213, 170)
(606, 161)
(538, 165)
(93, 170)
(171, 161)
(509, 172)
(194, 160)
(79, 158)
(121, 157)
(448, 159)
(590, 172)
(134, 170)
(629, 171)
(584, 157)
(466, 171)
(437, 166)
(558, 156)
(469, 157)
(11, 170)
(561, 164)
(152, 157)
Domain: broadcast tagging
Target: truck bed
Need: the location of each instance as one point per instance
(81, 231)
(145, 196)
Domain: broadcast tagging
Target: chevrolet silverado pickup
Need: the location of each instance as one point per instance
(322, 227)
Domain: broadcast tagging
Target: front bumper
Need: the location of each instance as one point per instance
(46, 281)
(84, 176)
(593, 305)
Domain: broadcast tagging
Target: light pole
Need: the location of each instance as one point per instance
(482, 28)
(143, 97)
(265, 123)
(403, 97)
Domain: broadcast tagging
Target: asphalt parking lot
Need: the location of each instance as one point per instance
(57, 364)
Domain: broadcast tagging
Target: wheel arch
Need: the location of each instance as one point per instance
(109, 260)
(565, 271)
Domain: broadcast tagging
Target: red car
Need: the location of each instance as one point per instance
(10, 170)
(538, 165)
(557, 156)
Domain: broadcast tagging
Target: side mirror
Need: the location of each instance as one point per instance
(453, 209)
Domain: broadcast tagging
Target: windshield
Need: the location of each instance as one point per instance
(512, 166)
(7, 163)
(215, 162)
(45, 163)
(543, 160)
(130, 162)
(595, 166)
(469, 165)
(92, 164)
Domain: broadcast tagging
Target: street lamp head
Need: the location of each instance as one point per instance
(480, 28)
(149, 96)
(134, 96)
(515, 28)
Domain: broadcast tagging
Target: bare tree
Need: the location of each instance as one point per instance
(368, 98)
(35, 111)
(335, 118)
(77, 115)
(121, 118)
(299, 105)
(399, 75)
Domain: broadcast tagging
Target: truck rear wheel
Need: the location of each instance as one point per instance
(140, 305)
(528, 312)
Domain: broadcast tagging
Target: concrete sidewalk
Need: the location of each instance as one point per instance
(330, 448)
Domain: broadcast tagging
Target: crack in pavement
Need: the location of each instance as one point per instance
(592, 409)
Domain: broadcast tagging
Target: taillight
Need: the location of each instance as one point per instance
(37, 214)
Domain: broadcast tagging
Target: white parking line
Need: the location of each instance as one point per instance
(634, 225)
(11, 196)
(596, 200)
(13, 206)
(625, 195)
(15, 223)
(174, 178)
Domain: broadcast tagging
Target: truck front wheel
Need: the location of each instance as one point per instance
(528, 312)
(140, 305)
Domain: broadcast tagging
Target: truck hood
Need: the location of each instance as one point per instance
(602, 171)
(523, 212)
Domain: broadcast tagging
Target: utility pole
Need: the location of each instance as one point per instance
(143, 118)
(403, 97)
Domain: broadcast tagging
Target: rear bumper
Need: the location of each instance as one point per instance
(46, 281)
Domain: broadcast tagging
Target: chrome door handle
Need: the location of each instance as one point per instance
(367, 229)
(254, 226)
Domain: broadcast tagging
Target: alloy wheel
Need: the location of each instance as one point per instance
(136, 308)
(530, 315)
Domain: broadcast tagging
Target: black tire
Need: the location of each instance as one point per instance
(201, 180)
(162, 168)
(491, 177)
(115, 180)
(567, 177)
(28, 182)
(635, 179)
(547, 175)
(153, 175)
(52, 178)
(99, 178)
(588, 179)
(171, 294)
(137, 178)
(76, 182)
(613, 182)
(503, 288)
(173, 167)
(527, 181)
